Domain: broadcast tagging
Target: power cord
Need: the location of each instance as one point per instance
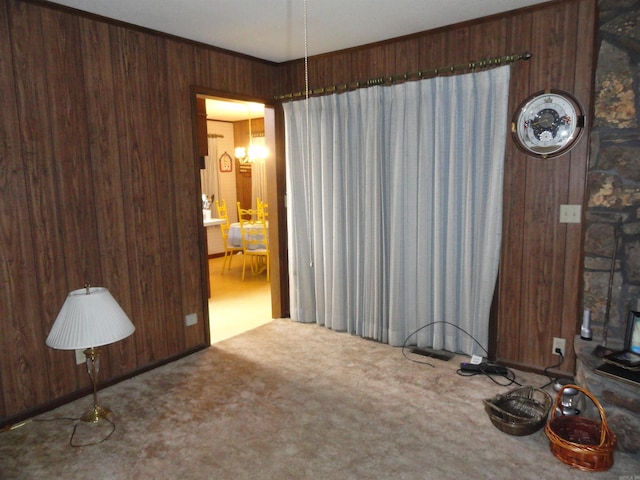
(491, 371)
(429, 325)
(73, 434)
(546, 369)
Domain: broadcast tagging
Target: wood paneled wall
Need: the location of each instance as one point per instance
(99, 179)
(538, 295)
(99, 183)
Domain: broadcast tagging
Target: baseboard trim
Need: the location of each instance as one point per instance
(7, 422)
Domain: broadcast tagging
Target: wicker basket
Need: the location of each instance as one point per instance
(581, 442)
(519, 412)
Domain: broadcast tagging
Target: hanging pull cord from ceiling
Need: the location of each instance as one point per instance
(307, 169)
(406, 77)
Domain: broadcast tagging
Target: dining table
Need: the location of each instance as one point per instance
(235, 235)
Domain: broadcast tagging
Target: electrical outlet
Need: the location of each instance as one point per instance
(80, 356)
(191, 319)
(560, 343)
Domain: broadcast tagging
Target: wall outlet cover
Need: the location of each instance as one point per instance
(560, 343)
(80, 357)
(570, 213)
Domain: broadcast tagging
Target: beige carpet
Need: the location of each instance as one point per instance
(291, 401)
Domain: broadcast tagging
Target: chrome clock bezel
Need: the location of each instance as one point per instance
(548, 123)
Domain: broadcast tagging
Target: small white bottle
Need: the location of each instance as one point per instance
(585, 331)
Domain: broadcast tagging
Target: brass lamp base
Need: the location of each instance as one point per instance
(98, 413)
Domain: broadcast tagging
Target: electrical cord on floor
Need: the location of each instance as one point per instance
(103, 439)
(429, 325)
(78, 421)
(492, 371)
(546, 370)
(404, 345)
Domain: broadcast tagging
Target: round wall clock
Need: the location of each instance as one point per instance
(548, 123)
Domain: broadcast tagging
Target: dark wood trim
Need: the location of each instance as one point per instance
(275, 192)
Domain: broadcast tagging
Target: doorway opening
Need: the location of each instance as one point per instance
(235, 153)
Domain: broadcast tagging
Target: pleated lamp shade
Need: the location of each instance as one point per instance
(90, 317)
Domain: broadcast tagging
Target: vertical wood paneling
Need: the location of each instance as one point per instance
(33, 380)
(583, 85)
(171, 324)
(545, 187)
(137, 154)
(66, 104)
(541, 301)
(336, 69)
(107, 183)
(18, 284)
(186, 176)
(291, 77)
(555, 32)
(405, 55)
(488, 39)
(73, 193)
(434, 50)
(459, 45)
(11, 188)
(510, 280)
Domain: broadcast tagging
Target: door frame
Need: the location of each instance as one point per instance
(275, 171)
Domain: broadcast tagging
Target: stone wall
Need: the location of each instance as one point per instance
(613, 210)
(618, 399)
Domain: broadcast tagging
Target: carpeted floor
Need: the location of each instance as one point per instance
(291, 401)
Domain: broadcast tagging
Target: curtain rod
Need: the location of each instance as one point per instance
(389, 80)
(215, 135)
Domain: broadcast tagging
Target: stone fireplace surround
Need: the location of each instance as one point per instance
(619, 399)
(613, 209)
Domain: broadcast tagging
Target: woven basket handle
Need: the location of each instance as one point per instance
(604, 430)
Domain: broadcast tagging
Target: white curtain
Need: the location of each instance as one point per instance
(258, 177)
(395, 208)
(209, 180)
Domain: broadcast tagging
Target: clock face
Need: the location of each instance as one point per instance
(548, 124)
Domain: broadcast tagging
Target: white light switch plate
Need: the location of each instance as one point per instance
(570, 213)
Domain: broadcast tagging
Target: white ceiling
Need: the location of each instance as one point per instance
(274, 29)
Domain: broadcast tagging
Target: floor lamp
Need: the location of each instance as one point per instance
(90, 318)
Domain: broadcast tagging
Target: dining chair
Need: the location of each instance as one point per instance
(255, 240)
(264, 206)
(229, 250)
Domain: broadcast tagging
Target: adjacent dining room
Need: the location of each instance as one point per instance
(233, 180)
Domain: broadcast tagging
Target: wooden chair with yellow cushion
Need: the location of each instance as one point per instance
(264, 206)
(229, 250)
(255, 240)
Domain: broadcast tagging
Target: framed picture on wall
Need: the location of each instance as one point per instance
(225, 162)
